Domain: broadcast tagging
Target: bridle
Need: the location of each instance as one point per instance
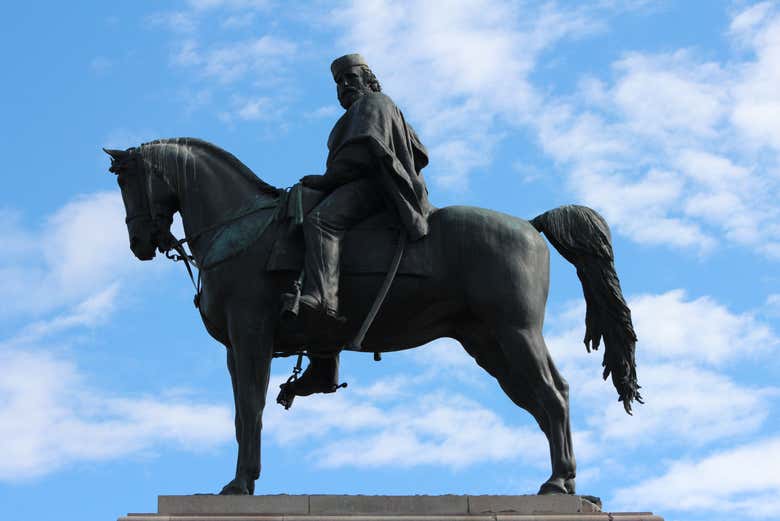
(156, 213)
(160, 218)
(165, 239)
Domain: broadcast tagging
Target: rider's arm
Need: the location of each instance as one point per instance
(351, 163)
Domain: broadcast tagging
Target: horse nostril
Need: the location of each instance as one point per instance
(133, 243)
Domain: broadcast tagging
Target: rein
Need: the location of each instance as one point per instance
(190, 260)
(177, 245)
(231, 220)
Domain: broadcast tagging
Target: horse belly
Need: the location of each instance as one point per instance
(415, 311)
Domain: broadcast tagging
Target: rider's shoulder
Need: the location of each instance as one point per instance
(375, 100)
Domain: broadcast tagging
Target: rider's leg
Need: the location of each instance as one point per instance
(323, 230)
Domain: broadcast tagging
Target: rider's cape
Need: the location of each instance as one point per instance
(374, 119)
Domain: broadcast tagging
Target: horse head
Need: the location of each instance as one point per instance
(148, 203)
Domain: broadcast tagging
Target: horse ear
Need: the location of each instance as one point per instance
(115, 154)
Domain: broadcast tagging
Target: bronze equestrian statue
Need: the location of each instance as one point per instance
(475, 275)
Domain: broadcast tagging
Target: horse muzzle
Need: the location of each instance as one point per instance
(142, 230)
(143, 247)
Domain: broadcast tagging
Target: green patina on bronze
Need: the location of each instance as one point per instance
(241, 231)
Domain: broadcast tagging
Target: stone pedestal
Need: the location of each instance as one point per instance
(383, 508)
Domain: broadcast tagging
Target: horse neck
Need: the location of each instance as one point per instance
(209, 192)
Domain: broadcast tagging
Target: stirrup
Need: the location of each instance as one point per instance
(287, 394)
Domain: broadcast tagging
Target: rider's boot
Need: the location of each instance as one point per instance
(321, 376)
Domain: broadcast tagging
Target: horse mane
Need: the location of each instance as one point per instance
(223, 154)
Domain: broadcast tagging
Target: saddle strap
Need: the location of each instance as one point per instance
(380, 298)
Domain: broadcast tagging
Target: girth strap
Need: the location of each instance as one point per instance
(380, 298)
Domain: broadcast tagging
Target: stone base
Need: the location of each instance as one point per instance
(383, 508)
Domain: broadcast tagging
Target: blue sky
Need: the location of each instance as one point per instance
(664, 116)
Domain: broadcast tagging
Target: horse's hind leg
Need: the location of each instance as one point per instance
(483, 347)
(563, 388)
(478, 342)
(529, 362)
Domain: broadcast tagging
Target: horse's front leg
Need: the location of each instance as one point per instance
(231, 365)
(250, 366)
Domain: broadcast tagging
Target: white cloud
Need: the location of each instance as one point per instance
(419, 427)
(673, 94)
(51, 418)
(84, 241)
(391, 388)
(189, 20)
(639, 208)
(649, 131)
(260, 108)
(203, 5)
(711, 128)
(445, 354)
(80, 250)
(756, 111)
(239, 21)
(686, 404)
(446, 357)
(645, 148)
(254, 109)
(675, 328)
(177, 21)
(229, 62)
(326, 111)
(773, 304)
(742, 480)
(16, 243)
(71, 272)
(93, 311)
(440, 430)
(745, 23)
(456, 70)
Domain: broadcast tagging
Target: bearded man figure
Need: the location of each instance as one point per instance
(374, 162)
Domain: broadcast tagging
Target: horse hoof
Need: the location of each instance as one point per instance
(570, 486)
(553, 486)
(235, 488)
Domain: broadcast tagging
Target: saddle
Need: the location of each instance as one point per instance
(367, 248)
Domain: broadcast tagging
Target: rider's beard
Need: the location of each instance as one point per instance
(348, 97)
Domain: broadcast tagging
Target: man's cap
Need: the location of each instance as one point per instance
(345, 62)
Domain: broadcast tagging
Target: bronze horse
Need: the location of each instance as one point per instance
(488, 289)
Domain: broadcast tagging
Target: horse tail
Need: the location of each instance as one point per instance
(582, 237)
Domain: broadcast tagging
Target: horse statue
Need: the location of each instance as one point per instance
(486, 286)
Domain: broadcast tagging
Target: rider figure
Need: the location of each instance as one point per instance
(374, 161)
